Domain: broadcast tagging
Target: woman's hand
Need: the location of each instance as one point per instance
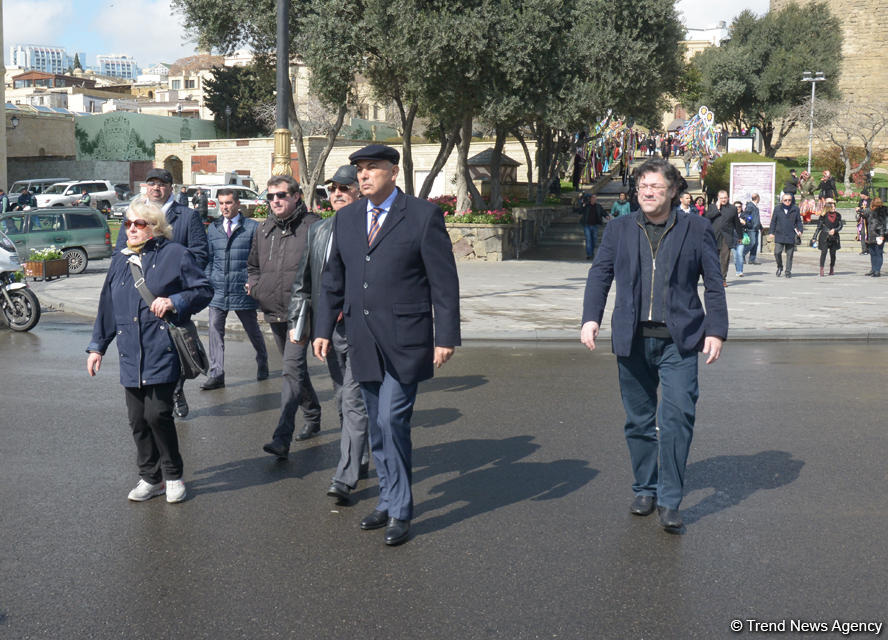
(160, 306)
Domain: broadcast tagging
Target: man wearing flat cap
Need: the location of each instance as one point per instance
(353, 459)
(392, 274)
(188, 230)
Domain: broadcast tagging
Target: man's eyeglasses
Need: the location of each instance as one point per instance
(281, 195)
(341, 188)
(138, 224)
(656, 188)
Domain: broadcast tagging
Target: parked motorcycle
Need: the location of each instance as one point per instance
(19, 304)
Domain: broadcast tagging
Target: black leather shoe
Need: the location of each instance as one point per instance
(876, 274)
(262, 372)
(180, 405)
(397, 532)
(375, 520)
(779, 271)
(308, 431)
(277, 449)
(213, 383)
(788, 274)
(670, 519)
(338, 490)
(868, 273)
(643, 505)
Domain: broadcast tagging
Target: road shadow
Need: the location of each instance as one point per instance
(735, 478)
(480, 488)
(246, 405)
(434, 417)
(452, 383)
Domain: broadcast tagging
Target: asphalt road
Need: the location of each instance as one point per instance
(522, 487)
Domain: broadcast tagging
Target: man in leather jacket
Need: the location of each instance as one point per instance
(354, 457)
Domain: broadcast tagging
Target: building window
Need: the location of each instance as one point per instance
(175, 84)
(189, 84)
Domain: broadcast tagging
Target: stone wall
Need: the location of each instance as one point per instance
(489, 242)
(863, 78)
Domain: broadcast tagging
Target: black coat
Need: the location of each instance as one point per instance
(784, 224)
(824, 226)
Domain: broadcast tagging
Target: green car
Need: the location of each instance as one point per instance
(80, 233)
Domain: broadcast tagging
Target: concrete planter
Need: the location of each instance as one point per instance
(490, 242)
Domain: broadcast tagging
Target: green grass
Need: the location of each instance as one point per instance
(114, 228)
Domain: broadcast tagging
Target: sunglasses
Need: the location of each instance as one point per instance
(281, 195)
(341, 188)
(138, 224)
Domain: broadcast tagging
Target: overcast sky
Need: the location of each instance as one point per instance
(149, 31)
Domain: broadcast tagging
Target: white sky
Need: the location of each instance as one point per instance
(704, 14)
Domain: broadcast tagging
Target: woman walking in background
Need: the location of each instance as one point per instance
(807, 205)
(827, 234)
(875, 235)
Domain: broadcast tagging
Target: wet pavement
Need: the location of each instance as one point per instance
(522, 486)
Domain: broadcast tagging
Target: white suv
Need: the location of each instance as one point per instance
(66, 194)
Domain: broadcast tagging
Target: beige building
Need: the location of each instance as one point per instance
(253, 157)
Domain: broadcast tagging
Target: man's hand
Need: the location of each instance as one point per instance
(93, 363)
(588, 334)
(442, 355)
(321, 348)
(771, 237)
(713, 347)
(295, 339)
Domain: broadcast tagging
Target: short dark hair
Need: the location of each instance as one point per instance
(661, 166)
(228, 192)
(292, 185)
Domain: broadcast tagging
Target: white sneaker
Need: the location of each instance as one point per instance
(175, 490)
(145, 491)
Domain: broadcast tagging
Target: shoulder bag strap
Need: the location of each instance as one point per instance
(139, 283)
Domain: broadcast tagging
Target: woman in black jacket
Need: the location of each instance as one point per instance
(827, 235)
(876, 217)
(827, 188)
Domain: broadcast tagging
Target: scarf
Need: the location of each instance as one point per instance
(137, 248)
(831, 216)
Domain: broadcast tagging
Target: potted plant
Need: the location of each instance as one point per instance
(45, 264)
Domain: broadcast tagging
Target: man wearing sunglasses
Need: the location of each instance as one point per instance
(353, 459)
(188, 230)
(656, 256)
(277, 249)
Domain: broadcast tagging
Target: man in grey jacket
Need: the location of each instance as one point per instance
(354, 457)
(277, 248)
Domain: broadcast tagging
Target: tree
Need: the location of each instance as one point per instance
(754, 78)
(851, 128)
(77, 64)
(243, 90)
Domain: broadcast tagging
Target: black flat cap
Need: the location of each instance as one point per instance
(160, 174)
(375, 152)
(346, 174)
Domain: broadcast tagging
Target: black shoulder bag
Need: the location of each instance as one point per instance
(192, 357)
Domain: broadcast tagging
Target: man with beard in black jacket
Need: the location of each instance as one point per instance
(725, 223)
(277, 249)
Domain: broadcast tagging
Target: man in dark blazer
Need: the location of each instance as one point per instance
(657, 255)
(188, 230)
(786, 226)
(392, 274)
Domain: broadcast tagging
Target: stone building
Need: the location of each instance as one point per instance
(864, 76)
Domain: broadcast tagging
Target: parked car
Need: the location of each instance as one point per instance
(123, 191)
(81, 234)
(35, 185)
(249, 199)
(66, 194)
(118, 209)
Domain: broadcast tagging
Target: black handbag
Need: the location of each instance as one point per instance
(192, 356)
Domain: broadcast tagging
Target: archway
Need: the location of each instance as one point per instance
(174, 165)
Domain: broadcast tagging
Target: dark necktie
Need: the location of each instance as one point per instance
(375, 212)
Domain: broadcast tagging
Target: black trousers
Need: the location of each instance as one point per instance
(150, 410)
(779, 248)
(832, 255)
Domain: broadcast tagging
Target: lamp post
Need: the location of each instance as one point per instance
(282, 165)
(813, 79)
(227, 120)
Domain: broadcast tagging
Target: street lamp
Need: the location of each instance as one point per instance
(227, 119)
(807, 77)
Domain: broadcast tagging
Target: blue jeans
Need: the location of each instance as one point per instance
(751, 249)
(876, 252)
(659, 460)
(738, 252)
(591, 234)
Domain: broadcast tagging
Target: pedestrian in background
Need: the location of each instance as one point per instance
(304, 311)
(183, 197)
(827, 189)
(752, 221)
(149, 362)
(200, 202)
(620, 206)
(592, 216)
(827, 235)
(862, 207)
(807, 204)
(662, 254)
(786, 226)
(230, 238)
(278, 246)
(876, 227)
(738, 249)
(4, 201)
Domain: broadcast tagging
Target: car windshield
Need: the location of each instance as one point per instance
(57, 188)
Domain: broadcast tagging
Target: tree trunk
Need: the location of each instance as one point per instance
(297, 133)
(496, 162)
(544, 155)
(463, 201)
(529, 162)
(317, 170)
(407, 118)
(448, 141)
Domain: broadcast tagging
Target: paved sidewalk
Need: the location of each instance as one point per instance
(542, 299)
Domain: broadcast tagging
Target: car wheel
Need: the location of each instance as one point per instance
(76, 260)
(104, 205)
